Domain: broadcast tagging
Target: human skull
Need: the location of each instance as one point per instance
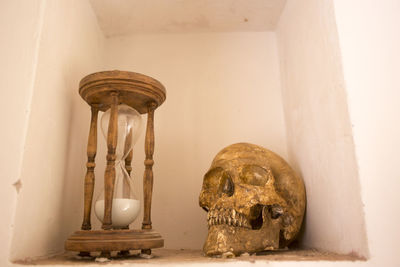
(254, 201)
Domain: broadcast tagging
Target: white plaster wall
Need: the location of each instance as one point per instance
(222, 88)
(370, 40)
(320, 142)
(128, 17)
(20, 26)
(53, 154)
(54, 149)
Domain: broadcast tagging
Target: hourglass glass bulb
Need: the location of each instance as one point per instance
(125, 206)
(129, 124)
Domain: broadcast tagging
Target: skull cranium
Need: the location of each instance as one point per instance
(254, 200)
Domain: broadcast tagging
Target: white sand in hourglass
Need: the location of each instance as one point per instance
(124, 211)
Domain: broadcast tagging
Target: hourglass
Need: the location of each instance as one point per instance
(125, 205)
(122, 96)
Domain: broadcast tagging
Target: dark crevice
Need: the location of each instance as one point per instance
(256, 217)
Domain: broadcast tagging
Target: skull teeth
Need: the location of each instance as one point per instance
(230, 217)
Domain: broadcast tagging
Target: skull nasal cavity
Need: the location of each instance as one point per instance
(227, 185)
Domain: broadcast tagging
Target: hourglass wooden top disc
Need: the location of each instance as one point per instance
(134, 89)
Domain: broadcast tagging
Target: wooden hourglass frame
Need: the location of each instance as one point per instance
(102, 91)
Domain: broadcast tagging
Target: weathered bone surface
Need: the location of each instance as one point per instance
(254, 200)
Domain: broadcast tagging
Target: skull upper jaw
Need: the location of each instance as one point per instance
(225, 238)
(245, 222)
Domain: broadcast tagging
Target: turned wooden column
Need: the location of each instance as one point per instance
(109, 176)
(126, 193)
(128, 160)
(148, 162)
(90, 165)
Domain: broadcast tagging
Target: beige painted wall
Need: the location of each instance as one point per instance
(320, 142)
(19, 42)
(370, 41)
(221, 89)
(70, 47)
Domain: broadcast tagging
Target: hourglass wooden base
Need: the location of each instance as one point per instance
(115, 240)
(102, 91)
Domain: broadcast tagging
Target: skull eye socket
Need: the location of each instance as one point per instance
(217, 180)
(254, 175)
(212, 179)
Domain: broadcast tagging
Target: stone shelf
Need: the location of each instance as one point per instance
(167, 257)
